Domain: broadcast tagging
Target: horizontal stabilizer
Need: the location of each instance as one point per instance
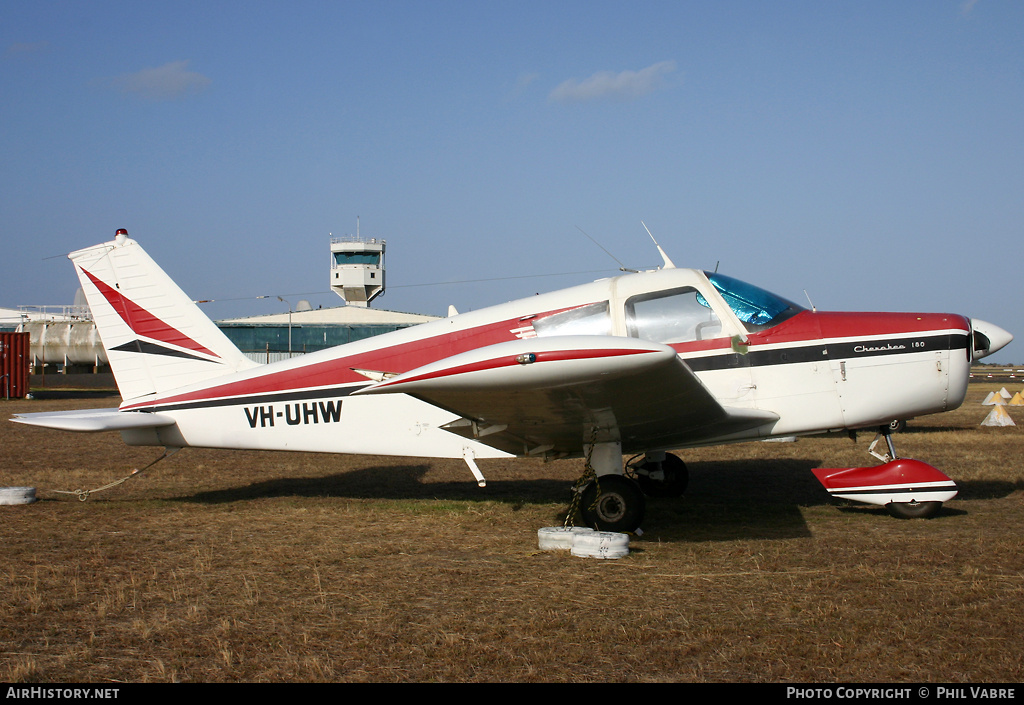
(92, 420)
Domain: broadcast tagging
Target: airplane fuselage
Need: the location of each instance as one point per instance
(814, 371)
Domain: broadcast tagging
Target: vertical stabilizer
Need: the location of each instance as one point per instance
(156, 338)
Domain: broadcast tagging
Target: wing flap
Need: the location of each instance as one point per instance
(93, 420)
(552, 395)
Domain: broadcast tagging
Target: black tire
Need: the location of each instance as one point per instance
(913, 510)
(677, 477)
(897, 426)
(620, 505)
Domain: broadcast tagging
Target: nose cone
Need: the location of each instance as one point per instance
(988, 338)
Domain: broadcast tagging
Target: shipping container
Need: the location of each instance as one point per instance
(14, 364)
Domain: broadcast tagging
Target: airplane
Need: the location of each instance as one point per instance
(637, 365)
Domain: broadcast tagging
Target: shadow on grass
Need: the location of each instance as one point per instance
(987, 489)
(726, 500)
(853, 508)
(740, 499)
(389, 482)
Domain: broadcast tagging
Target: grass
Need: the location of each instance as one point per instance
(247, 566)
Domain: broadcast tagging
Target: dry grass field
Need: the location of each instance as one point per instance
(221, 566)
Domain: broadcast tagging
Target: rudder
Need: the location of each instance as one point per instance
(155, 336)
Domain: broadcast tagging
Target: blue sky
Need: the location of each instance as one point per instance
(870, 153)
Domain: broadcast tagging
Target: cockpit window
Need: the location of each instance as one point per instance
(756, 308)
(672, 316)
(592, 319)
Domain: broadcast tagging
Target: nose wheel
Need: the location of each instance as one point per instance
(909, 489)
(913, 509)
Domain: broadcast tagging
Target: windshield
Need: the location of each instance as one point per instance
(756, 308)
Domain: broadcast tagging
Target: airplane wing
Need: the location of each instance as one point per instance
(550, 395)
(92, 420)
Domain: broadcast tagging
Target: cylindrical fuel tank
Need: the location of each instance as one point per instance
(65, 342)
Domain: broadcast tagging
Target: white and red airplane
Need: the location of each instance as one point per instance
(637, 364)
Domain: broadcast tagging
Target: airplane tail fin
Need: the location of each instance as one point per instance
(155, 336)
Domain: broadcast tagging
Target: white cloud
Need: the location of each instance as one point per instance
(25, 48)
(525, 79)
(606, 85)
(167, 82)
(523, 83)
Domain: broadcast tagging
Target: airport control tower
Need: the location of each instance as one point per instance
(357, 269)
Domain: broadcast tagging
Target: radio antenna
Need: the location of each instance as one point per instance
(622, 267)
(813, 308)
(668, 263)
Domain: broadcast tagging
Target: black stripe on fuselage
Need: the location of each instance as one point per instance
(835, 350)
(841, 350)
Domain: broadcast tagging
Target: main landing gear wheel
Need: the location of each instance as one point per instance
(668, 478)
(913, 510)
(613, 503)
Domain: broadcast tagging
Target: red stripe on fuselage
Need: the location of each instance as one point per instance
(807, 326)
(340, 371)
(862, 325)
(512, 361)
(813, 326)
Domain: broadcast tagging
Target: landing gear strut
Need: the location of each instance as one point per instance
(660, 474)
(609, 498)
(914, 509)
